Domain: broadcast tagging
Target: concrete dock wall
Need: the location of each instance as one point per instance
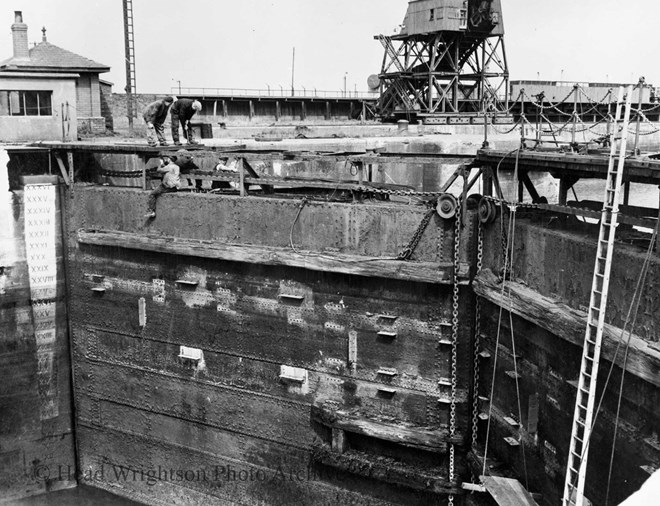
(541, 345)
(36, 432)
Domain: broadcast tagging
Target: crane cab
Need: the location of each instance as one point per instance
(430, 16)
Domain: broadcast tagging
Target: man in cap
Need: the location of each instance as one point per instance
(154, 116)
(170, 167)
(182, 112)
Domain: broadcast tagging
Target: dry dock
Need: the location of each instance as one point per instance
(303, 328)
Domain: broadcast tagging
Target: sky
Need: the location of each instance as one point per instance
(249, 43)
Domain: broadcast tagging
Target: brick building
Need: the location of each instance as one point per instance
(48, 92)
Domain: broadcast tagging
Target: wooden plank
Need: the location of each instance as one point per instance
(422, 438)
(253, 174)
(568, 323)
(63, 171)
(507, 491)
(389, 470)
(428, 272)
(641, 170)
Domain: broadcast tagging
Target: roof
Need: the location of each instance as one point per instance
(49, 57)
(17, 74)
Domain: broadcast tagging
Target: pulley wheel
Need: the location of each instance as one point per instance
(472, 201)
(447, 206)
(487, 211)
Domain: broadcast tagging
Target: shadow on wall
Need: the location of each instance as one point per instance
(7, 243)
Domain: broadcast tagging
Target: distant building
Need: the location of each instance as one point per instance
(48, 93)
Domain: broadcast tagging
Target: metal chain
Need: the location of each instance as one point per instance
(646, 110)
(477, 339)
(505, 131)
(407, 252)
(504, 241)
(526, 208)
(121, 173)
(267, 180)
(454, 346)
(402, 193)
(646, 120)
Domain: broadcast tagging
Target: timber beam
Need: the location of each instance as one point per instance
(569, 324)
(386, 469)
(426, 272)
(420, 438)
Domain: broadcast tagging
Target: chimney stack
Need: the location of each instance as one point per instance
(19, 36)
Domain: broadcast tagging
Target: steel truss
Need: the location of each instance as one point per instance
(443, 74)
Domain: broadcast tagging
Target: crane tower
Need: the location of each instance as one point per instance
(447, 63)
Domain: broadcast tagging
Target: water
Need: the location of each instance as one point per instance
(79, 496)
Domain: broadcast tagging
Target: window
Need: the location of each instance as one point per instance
(432, 17)
(462, 18)
(26, 103)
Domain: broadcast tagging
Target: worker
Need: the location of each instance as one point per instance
(170, 167)
(182, 112)
(154, 115)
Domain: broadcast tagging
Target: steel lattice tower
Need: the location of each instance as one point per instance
(447, 61)
(129, 48)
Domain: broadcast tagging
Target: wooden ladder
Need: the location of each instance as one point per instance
(586, 393)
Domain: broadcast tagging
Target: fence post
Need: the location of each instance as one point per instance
(575, 102)
(640, 88)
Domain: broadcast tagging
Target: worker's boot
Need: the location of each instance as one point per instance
(175, 137)
(190, 137)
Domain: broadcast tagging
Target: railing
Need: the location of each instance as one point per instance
(279, 92)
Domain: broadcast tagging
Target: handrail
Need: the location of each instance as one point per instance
(273, 92)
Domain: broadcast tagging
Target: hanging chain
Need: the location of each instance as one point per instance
(504, 240)
(454, 345)
(407, 252)
(477, 339)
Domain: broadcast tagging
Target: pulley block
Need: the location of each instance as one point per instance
(447, 206)
(487, 211)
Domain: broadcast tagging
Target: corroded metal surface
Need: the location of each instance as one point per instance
(372, 345)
